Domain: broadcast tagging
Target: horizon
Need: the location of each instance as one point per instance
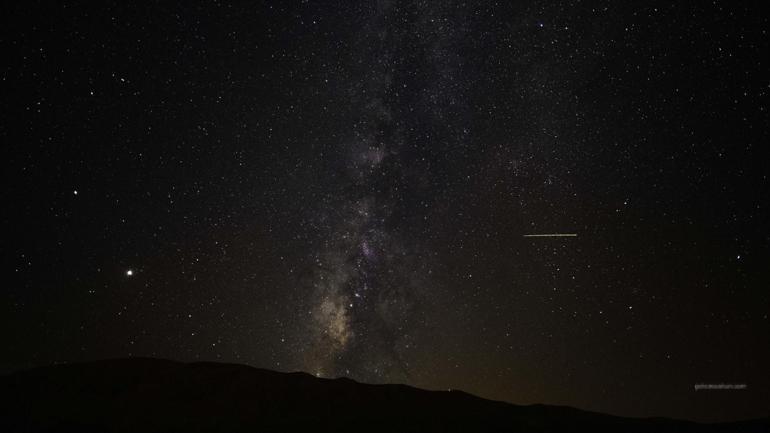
(349, 379)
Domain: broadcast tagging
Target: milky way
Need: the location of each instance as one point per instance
(365, 287)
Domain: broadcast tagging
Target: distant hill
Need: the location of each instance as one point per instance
(150, 395)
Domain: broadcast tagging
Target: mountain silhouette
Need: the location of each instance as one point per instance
(152, 395)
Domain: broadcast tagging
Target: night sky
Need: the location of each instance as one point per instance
(345, 188)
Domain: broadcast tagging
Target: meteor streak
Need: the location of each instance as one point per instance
(552, 235)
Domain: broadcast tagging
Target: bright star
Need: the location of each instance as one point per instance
(129, 273)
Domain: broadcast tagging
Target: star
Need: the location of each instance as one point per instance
(129, 273)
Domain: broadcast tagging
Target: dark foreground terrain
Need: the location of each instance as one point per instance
(144, 395)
